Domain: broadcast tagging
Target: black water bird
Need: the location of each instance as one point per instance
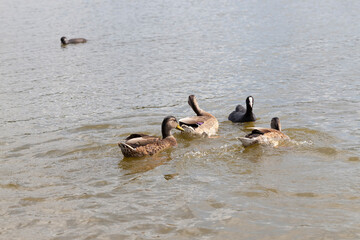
(66, 41)
(243, 115)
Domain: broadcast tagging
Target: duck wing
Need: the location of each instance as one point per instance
(268, 133)
(238, 114)
(146, 145)
(276, 134)
(137, 140)
(240, 108)
(258, 132)
(193, 122)
(136, 135)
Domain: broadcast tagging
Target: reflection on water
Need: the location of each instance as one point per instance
(63, 110)
(354, 159)
(138, 165)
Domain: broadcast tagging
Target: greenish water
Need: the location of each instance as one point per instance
(63, 110)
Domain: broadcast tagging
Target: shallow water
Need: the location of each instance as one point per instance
(63, 110)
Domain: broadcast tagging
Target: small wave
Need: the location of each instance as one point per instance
(301, 143)
(11, 186)
(354, 159)
(195, 154)
(93, 127)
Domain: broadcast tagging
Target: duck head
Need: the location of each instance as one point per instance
(275, 123)
(168, 124)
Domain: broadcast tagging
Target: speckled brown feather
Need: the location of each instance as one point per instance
(153, 146)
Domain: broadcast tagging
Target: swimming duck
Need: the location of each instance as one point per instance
(243, 115)
(139, 145)
(65, 41)
(270, 136)
(203, 124)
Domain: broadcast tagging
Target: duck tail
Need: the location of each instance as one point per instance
(247, 141)
(126, 149)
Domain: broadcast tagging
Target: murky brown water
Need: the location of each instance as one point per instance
(63, 110)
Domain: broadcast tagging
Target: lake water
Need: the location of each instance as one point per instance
(64, 109)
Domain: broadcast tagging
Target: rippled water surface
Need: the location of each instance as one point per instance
(64, 109)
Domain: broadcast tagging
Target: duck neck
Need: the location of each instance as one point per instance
(166, 131)
(276, 126)
(195, 107)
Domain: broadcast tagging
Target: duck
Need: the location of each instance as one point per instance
(244, 115)
(267, 136)
(203, 124)
(66, 41)
(140, 145)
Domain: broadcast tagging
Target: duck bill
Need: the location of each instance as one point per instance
(179, 128)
